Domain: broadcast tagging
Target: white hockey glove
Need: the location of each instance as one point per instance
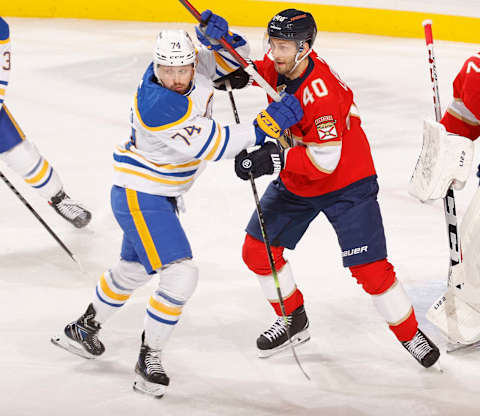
(444, 158)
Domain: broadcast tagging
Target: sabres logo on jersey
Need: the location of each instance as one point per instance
(326, 127)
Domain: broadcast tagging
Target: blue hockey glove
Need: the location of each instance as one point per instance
(277, 117)
(264, 161)
(213, 28)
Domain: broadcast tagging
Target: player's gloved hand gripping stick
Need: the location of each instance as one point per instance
(248, 67)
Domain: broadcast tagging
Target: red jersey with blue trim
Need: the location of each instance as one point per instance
(463, 113)
(331, 150)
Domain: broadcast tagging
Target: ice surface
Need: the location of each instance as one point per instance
(71, 87)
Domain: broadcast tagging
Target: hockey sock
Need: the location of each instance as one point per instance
(396, 308)
(26, 161)
(163, 313)
(177, 283)
(109, 296)
(292, 297)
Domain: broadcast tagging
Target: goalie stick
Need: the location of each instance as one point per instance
(449, 200)
(455, 317)
(266, 240)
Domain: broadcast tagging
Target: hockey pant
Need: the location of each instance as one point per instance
(377, 279)
(177, 282)
(22, 157)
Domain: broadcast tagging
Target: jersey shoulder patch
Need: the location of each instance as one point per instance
(157, 108)
(4, 31)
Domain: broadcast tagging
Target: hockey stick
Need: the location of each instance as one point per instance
(37, 216)
(266, 240)
(449, 199)
(247, 66)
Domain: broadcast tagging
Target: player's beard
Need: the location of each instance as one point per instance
(180, 88)
(285, 67)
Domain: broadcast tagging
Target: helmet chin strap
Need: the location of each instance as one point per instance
(299, 52)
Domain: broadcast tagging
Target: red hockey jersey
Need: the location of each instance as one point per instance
(463, 114)
(331, 150)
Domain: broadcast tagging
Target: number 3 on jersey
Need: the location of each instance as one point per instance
(318, 87)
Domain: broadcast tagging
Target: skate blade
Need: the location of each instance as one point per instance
(64, 342)
(454, 347)
(297, 339)
(153, 389)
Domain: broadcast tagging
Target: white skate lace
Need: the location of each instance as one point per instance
(153, 362)
(277, 329)
(70, 208)
(418, 346)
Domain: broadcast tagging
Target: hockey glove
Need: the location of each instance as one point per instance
(238, 79)
(213, 28)
(277, 117)
(264, 161)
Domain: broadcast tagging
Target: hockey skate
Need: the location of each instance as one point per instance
(80, 337)
(151, 377)
(71, 210)
(422, 349)
(275, 339)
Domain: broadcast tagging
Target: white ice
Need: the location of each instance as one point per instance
(71, 87)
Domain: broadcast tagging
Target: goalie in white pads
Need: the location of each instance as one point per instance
(22, 156)
(446, 157)
(172, 135)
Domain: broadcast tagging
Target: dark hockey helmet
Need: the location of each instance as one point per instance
(293, 24)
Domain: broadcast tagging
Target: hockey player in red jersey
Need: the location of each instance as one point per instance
(446, 157)
(463, 114)
(327, 169)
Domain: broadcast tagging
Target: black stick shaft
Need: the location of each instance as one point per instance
(266, 239)
(32, 210)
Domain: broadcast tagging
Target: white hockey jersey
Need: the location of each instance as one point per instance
(5, 62)
(172, 134)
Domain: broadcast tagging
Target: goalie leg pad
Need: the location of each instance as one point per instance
(465, 276)
(457, 319)
(177, 283)
(444, 158)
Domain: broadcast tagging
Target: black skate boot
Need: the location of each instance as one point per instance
(71, 210)
(275, 338)
(151, 377)
(422, 349)
(81, 336)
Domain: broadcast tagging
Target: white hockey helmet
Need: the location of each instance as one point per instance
(174, 48)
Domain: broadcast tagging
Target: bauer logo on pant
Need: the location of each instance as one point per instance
(326, 127)
(353, 251)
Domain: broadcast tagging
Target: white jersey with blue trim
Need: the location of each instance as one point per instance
(5, 60)
(173, 134)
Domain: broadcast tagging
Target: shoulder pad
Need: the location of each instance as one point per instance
(158, 108)
(4, 30)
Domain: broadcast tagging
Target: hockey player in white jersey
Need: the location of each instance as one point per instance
(22, 156)
(172, 135)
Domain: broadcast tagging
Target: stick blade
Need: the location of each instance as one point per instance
(458, 320)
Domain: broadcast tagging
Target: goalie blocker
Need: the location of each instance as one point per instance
(445, 158)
